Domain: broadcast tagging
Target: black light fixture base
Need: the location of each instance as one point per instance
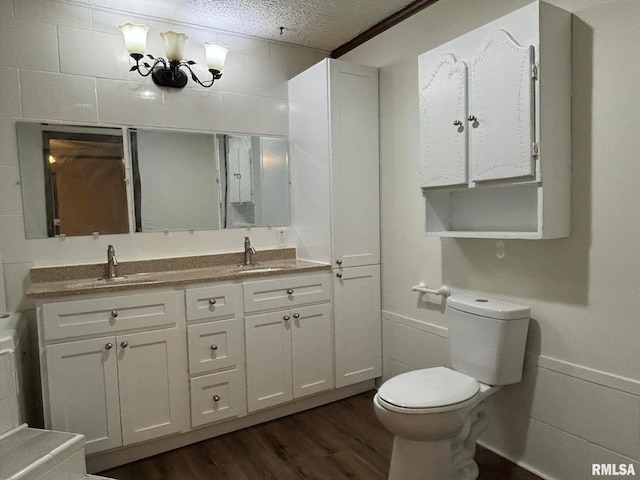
(169, 77)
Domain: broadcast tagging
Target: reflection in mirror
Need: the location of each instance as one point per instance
(73, 180)
(255, 180)
(175, 179)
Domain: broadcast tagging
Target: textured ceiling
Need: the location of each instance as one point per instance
(322, 24)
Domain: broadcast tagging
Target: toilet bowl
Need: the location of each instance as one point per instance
(437, 414)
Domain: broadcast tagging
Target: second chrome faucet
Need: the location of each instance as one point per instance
(249, 252)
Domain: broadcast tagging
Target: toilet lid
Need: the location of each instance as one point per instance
(428, 388)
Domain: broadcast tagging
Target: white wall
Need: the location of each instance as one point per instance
(65, 62)
(580, 401)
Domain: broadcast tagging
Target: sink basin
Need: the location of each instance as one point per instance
(255, 269)
(142, 278)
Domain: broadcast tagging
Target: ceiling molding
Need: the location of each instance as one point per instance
(380, 27)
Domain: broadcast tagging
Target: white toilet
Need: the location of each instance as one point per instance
(437, 414)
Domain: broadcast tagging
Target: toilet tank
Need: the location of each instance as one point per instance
(487, 338)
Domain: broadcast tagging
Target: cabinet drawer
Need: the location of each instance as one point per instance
(215, 345)
(286, 292)
(217, 396)
(108, 314)
(213, 302)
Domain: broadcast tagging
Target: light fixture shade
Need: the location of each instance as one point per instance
(174, 45)
(216, 55)
(135, 37)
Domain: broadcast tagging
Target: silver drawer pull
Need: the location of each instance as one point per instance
(339, 274)
(114, 313)
(339, 262)
(286, 318)
(296, 315)
(212, 301)
(216, 398)
(124, 344)
(214, 347)
(108, 346)
(290, 291)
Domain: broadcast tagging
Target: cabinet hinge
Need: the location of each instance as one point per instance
(535, 149)
(534, 71)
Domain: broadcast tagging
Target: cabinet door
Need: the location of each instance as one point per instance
(502, 134)
(217, 396)
(215, 345)
(268, 347)
(443, 124)
(154, 398)
(82, 380)
(358, 325)
(311, 350)
(354, 163)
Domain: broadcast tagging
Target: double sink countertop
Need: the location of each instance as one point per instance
(52, 282)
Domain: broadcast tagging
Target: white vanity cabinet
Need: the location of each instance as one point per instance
(290, 349)
(215, 337)
(495, 128)
(333, 134)
(108, 380)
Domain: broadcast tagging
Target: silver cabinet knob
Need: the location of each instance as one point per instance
(339, 274)
(290, 291)
(216, 398)
(286, 318)
(114, 313)
(472, 118)
(124, 344)
(108, 346)
(214, 347)
(339, 262)
(296, 315)
(457, 123)
(212, 301)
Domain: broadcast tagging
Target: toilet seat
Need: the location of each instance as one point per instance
(430, 390)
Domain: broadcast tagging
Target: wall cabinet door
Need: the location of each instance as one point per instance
(358, 335)
(268, 347)
(83, 391)
(153, 385)
(501, 103)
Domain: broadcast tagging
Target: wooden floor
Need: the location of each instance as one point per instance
(342, 440)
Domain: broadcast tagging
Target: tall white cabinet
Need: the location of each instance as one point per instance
(495, 128)
(333, 133)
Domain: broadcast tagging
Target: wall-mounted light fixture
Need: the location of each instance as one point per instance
(168, 73)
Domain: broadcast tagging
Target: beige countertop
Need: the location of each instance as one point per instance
(54, 282)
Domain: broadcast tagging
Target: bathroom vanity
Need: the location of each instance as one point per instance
(179, 350)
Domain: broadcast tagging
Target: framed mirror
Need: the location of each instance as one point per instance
(83, 180)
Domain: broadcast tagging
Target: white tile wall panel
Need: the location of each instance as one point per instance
(269, 78)
(391, 368)
(11, 203)
(9, 150)
(291, 53)
(258, 115)
(10, 105)
(16, 279)
(573, 410)
(74, 99)
(244, 45)
(53, 12)
(234, 76)
(93, 54)
(413, 347)
(29, 45)
(6, 9)
(12, 239)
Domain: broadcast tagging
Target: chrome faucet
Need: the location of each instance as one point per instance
(249, 252)
(112, 262)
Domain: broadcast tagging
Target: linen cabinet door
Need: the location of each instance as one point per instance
(358, 325)
(268, 347)
(154, 396)
(443, 124)
(501, 112)
(82, 381)
(311, 350)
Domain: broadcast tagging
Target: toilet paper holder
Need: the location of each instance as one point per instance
(422, 288)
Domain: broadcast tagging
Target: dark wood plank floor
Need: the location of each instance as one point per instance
(342, 440)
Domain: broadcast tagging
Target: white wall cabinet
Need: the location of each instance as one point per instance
(117, 389)
(333, 134)
(289, 352)
(495, 128)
